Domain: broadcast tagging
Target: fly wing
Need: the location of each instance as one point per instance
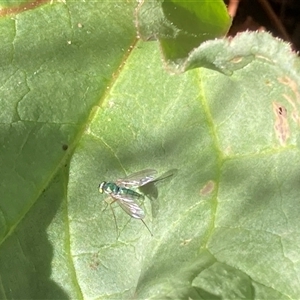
(166, 175)
(128, 204)
(137, 179)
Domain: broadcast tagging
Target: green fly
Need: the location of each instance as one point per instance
(121, 192)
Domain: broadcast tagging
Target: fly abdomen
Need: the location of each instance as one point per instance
(125, 191)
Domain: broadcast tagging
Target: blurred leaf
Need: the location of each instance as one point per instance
(181, 26)
(78, 108)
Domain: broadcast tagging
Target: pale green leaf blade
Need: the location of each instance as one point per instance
(228, 190)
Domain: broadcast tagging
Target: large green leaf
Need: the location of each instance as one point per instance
(79, 108)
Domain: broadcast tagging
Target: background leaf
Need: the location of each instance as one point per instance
(226, 226)
(181, 26)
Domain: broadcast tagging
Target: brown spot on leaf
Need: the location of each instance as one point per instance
(237, 60)
(292, 85)
(208, 188)
(281, 125)
(263, 58)
(268, 82)
(185, 242)
(65, 147)
(294, 114)
(95, 262)
(22, 7)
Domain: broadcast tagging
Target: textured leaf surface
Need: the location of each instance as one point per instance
(225, 226)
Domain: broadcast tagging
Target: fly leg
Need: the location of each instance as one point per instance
(147, 227)
(112, 210)
(109, 201)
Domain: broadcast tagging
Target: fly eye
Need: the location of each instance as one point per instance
(101, 187)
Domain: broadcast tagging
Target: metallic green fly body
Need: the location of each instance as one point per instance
(121, 192)
(125, 198)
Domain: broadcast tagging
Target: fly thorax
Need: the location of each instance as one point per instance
(111, 188)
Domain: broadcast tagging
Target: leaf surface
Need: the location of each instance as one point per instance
(225, 225)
